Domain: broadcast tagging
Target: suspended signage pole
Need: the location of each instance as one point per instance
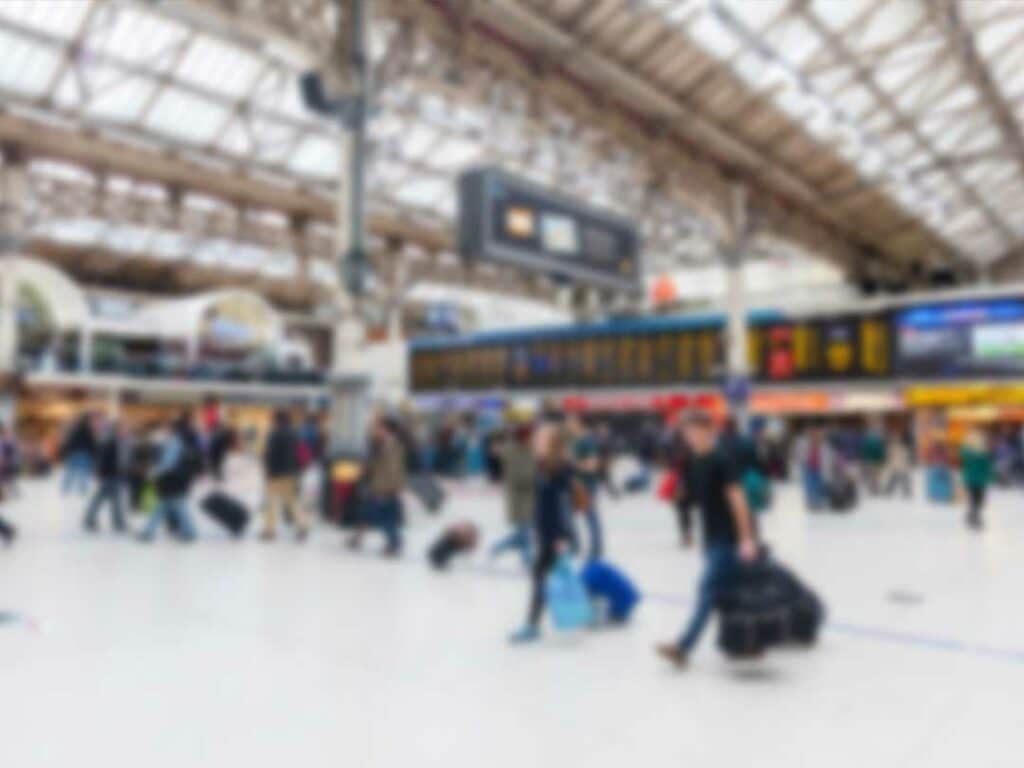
(350, 381)
(734, 251)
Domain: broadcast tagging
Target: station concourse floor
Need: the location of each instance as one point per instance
(254, 654)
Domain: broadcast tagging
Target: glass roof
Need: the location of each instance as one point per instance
(872, 80)
(877, 82)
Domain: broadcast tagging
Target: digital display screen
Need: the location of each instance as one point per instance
(520, 222)
(559, 234)
(998, 342)
(822, 348)
(508, 220)
(980, 338)
(599, 245)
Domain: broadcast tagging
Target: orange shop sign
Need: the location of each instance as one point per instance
(790, 402)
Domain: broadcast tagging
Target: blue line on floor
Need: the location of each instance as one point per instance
(892, 637)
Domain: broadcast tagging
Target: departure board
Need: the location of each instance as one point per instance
(813, 349)
(821, 349)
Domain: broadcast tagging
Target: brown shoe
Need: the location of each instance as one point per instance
(673, 654)
(268, 536)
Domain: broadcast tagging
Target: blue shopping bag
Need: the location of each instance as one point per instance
(567, 597)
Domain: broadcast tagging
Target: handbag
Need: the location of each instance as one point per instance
(567, 597)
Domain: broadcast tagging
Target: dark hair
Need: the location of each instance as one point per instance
(281, 417)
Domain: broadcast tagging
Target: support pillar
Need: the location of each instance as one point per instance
(350, 379)
(13, 183)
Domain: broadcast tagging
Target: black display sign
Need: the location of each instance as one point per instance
(507, 220)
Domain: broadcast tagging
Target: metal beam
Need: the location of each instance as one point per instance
(960, 41)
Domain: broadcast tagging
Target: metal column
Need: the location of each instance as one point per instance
(350, 381)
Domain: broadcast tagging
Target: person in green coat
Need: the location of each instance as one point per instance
(872, 452)
(976, 470)
(520, 477)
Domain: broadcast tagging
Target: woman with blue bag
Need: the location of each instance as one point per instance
(556, 490)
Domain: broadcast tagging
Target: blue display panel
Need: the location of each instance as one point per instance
(963, 339)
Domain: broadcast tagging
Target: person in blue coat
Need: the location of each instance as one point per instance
(552, 501)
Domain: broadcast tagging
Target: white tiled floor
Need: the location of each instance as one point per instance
(249, 654)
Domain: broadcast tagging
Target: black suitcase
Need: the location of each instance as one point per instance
(456, 540)
(443, 550)
(766, 606)
(428, 491)
(842, 495)
(7, 532)
(227, 511)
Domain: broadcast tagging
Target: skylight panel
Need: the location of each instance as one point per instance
(280, 265)
(184, 116)
(709, 34)
(61, 19)
(317, 156)
(170, 245)
(79, 231)
(455, 154)
(25, 67)
(417, 140)
(217, 66)
(122, 100)
(421, 193)
(892, 21)
(128, 239)
(756, 15)
(137, 36)
(837, 14)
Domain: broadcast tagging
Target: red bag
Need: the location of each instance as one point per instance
(668, 487)
(304, 455)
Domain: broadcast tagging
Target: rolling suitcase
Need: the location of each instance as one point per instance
(7, 532)
(842, 495)
(428, 491)
(227, 511)
(458, 539)
(939, 482)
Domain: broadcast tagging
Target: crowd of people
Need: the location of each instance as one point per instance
(553, 469)
(154, 468)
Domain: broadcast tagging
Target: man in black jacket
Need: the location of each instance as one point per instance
(109, 476)
(281, 466)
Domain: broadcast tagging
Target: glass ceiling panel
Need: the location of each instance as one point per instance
(61, 19)
(25, 67)
(317, 156)
(129, 34)
(236, 68)
(187, 117)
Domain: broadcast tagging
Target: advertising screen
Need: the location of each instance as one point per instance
(981, 338)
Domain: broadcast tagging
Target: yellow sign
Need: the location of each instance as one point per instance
(973, 394)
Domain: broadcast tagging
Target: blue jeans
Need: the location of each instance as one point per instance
(77, 473)
(518, 539)
(719, 566)
(109, 490)
(814, 488)
(596, 534)
(176, 507)
(386, 514)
